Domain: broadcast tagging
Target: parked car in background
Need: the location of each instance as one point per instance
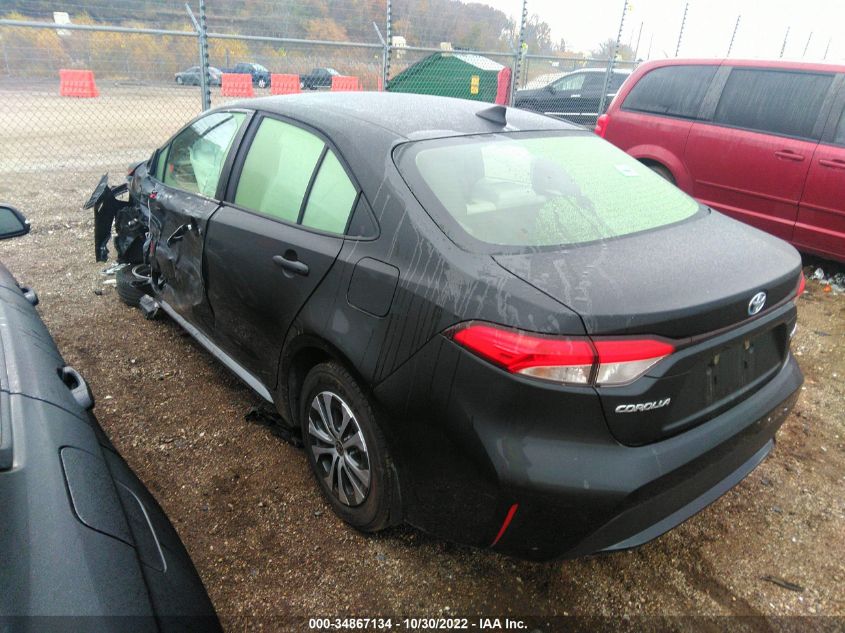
(81, 535)
(762, 141)
(192, 76)
(549, 351)
(574, 97)
(318, 78)
(260, 74)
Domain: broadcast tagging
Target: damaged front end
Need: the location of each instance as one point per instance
(131, 224)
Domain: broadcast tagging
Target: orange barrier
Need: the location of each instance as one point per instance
(342, 83)
(77, 83)
(503, 86)
(284, 84)
(236, 85)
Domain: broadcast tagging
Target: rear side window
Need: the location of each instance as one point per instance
(331, 198)
(195, 157)
(775, 101)
(529, 190)
(277, 170)
(671, 90)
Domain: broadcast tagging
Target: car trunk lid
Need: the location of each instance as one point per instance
(691, 282)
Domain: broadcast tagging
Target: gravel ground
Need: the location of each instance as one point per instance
(267, 546)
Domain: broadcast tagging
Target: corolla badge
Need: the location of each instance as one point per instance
(756, 304)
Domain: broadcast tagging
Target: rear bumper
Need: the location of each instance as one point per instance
(490, 444)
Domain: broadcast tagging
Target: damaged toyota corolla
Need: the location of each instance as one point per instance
(487, 323)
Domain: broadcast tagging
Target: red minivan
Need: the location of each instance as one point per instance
(762, 141)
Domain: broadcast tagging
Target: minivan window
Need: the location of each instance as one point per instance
(531, 190)
(775, 101)
(196, 156)
(671, 90)
(277, 169)
(331, 197)
(839, 139)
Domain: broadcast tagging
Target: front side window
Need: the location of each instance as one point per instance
(196, 156)
(671, 90)
(277, 170)
(780, 102)
(530, 190)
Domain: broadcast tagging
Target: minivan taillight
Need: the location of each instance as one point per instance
(566, 360)
(601, 125)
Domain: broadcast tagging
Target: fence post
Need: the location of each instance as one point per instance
(205, 77)
(385, 69)
(520, 52)
(611, 62)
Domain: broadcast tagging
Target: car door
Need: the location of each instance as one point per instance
(561, 95)
(274, 239)
(752, 156)
(182, 194)
(821, 215)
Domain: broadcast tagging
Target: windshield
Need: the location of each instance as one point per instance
(538, 189)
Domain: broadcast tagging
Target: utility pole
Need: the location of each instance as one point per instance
(733, 37)
(612, 61)
(639, 35)
(807, 45)
(785, 37)
(681, 32)
(202, 35)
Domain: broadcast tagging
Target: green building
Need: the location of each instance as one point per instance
(451, 74)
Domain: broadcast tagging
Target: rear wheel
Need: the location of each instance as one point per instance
(346, 448)
(180, 81)
(262, 83)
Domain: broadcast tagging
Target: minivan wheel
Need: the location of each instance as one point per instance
(346, 449)
(261, 83)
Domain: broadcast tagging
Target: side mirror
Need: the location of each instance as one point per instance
(550, 88)
(12, 222)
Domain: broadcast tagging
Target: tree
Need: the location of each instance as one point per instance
(605, 50)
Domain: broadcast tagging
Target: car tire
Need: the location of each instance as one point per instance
(341, 453)
(661, 171)
(132, 283)
(180, 81)
(262, 83)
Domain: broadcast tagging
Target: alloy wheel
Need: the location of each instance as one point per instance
(339, 448)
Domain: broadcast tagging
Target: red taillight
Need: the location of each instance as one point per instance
(569, 360)
(601, 125)
(802, 283)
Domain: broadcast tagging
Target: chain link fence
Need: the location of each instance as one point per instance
(146, 65)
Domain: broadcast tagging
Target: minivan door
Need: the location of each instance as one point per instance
(752, 157)
(274, 240)
(182, 197)
(821, 216)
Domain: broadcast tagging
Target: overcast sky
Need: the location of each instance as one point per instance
(583, 23)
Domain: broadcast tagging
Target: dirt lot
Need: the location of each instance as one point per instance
(266, 545)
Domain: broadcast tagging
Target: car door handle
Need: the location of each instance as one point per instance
(833, 163)
(291, 265)
(178, 234)
(786, 154)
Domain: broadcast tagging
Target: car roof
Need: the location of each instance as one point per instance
(621, 71)
(749, 63)
(404, 116)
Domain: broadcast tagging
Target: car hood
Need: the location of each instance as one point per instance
(690, 278)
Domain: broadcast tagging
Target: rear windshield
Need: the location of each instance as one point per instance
(534, 190)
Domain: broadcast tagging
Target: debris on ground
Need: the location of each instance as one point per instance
(831, 283)
(267, 415)
(780, 582)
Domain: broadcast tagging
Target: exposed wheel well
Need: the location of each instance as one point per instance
(659, 168)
